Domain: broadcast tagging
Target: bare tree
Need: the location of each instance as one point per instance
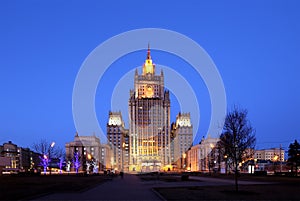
(237, 140)
(47, 151)
(47, 148)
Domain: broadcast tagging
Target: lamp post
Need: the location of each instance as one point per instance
(225, 157)
(49, 150)
(274, 162)
(88, 163)
(255, 162)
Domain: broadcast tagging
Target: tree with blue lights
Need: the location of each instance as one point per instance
(76, 162)
(44, 162)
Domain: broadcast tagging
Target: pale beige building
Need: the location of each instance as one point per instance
(198, 156)
(273, 154)
(105, 158)
(88, 148)
(182, 138)
(117, 137)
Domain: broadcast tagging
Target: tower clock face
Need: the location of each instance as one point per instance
(149, 91)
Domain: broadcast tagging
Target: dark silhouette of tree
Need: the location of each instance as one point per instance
(45, 148)
(237, 140)
(294, 156)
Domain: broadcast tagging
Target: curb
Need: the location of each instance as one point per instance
(158, 194)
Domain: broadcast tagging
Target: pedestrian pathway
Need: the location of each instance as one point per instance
(128, 188)
(132, 188)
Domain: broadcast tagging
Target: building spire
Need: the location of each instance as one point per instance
(148, 66)
(148, 52)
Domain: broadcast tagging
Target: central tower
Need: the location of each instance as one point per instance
(149, 119)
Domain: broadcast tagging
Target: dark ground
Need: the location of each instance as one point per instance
(26, 187)
(283, 188)
(246, 192)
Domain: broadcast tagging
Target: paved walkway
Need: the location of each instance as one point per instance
(132, 188)
(128, 188)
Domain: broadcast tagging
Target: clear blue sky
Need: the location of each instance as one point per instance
(254, 44)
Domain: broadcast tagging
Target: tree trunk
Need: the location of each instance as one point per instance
(236, 178)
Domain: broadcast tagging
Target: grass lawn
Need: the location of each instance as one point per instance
(283, 189)
(25, 187)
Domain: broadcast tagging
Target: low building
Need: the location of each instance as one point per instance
(272, 154)
(88, 148)
(20, 159)
(105, 158)
(198, 157)
(4, 163)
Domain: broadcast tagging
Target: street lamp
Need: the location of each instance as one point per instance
(274, 161)
(49, 150)
(88, 163)
(225, 157)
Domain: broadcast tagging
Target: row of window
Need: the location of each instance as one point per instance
(114, 129)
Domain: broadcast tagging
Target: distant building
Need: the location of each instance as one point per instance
(117, 137)
(105, 158)
(182, 138)
(18, 159)
(272, 154)
(198, 158)
(4, 163)
(88, 148)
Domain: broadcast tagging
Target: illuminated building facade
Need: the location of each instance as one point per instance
(273, 154)
(182, 137)
(18, 159)
(117, 137)
(88, 148)
(149, 114)
(105, 157)
(198, 158)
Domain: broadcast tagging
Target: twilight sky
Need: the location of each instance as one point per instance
(254, 44)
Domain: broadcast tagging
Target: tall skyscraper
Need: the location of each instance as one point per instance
(149, 119)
